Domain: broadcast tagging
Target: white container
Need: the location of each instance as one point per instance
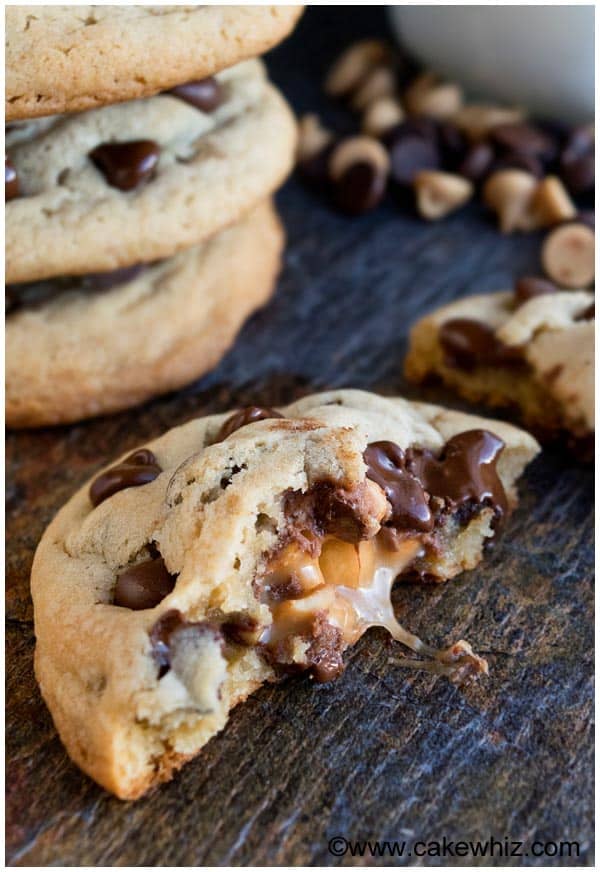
(539, 57)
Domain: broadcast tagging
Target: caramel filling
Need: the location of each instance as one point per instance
(348, 585)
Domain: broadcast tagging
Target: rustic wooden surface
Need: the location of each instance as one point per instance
(379, 753)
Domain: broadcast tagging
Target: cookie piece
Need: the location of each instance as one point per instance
(139, 181)
(70, 58)
(536, 355)
(236, 549)
(88, 349)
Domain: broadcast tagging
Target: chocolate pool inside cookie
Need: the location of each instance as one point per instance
(468, 343)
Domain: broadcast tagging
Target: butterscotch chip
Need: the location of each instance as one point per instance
(438, 193)
(381, 116)
(427, 96)
(478, 120)
(551, 202)
(164, 606)
(312, 137)
(380, 82)
(568, 255)
(353, 66)
(510, 194)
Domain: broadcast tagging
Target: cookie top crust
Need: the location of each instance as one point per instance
(200, 510)
(138, 181)
(72, 58)
(554, 333)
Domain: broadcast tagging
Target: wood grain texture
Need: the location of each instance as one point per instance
(379, 754)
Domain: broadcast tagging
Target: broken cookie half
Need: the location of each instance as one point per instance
(238, 549)
(532, 349)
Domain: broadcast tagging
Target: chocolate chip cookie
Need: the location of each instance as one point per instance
(238, 549)
(532, 348)
(70, 58)
(139, 181)
(80, 346)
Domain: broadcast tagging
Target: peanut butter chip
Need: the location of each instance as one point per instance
(381, 116)
(438, 193)
(510, 194)
(568, 255)
(354, 65)
(551, 202)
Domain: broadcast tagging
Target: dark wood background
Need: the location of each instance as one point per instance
(379, 754)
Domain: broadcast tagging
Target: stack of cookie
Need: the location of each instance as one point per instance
(143, 147)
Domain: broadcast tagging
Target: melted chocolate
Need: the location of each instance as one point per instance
(588, 314)
(144, 585)
(465, 472)
(386, 466)
(529, 287)
(468, 343)
(204, 94)
(11, 182)
(245, 416)
(324, 654)
(139, 468)
(125, 165)
(34, 294)
(160, 638)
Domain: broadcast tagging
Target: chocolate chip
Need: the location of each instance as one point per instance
(360, 188)
(125, 165)
(315, 169)
(588, 314)
(204, 94)
(529, 287)
(524, 139)
(515, 160)
(465, 472)
(579, 174)
(411, 150)
(477, 162)
(468, 343)
(241, 629)
(453, 144)
(386, 466)
(144, 585)
(160, 638)
(139, 468)
(166, 633)
(577, 161)
(11, 182)
(35, 294)
(245, 416)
